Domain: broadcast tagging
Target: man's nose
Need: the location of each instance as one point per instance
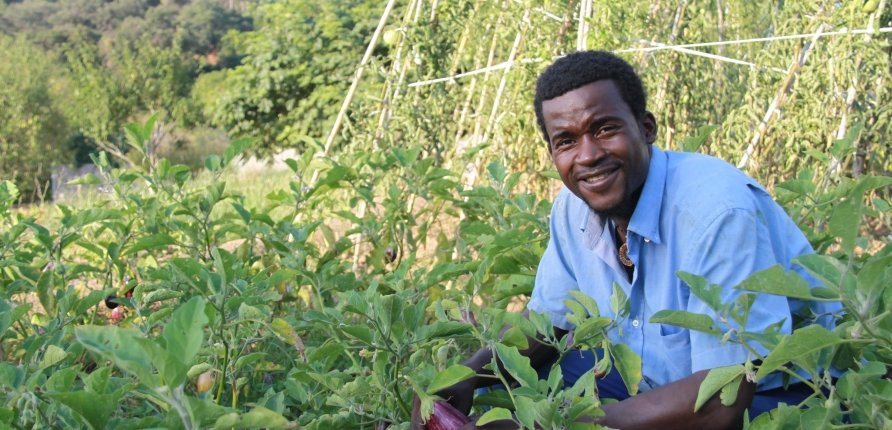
(590, 150)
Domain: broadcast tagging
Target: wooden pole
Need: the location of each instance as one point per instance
(355, 84)
(779, 98)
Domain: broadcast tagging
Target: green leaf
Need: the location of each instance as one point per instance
(285, 332)
(525, 408)
(62, 380)
(869, 183)
(52, 356)
(584, 386)
(146, 243)
(710, 294)
(801, 343)
(119, 345)
(248, 359)
(517, 365)
(874, 277)
(577, 313)
(248, 312)
(827, 269)
(775, 280)
(184, 335)
(729, 392)
(360, 332)
(8, 316)
(688, 320)
(628, 364)
(227, 421)
(694, 142)
(550, 174)
(494, 398)
(589, 329)
(261, 417)
(96, 409)
(845, 221)
(514, 337)
(619, 302)
(235, 148)
(449, 377)
(494, 414)
(717, 379)
(497, 172)
(213, 162)
(442, 329)
(10, 375)
(589, 303)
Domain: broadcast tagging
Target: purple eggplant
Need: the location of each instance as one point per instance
(446, 417)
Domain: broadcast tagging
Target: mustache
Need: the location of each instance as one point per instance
(605, 164)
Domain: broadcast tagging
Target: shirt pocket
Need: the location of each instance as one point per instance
(675, 347)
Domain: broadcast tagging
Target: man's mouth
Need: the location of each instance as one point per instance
(598, 177)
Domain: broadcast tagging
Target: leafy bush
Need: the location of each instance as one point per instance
(235, 316)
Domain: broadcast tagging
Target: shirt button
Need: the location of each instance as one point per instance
(646, 240)
(635, 323)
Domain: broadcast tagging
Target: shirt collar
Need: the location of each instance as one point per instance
(646, 219)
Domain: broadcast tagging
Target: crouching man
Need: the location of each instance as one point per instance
(633, 214)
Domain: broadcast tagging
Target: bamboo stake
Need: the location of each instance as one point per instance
(870, 20)
(355, 84)
(585, 11)
(542, 10)
(471, 171)
(566, 23)
(841, 32)
(383, 119)
(511, 56)
(779, 98)
(719, 58)
(662, 47)
(475, 165)
(397, 67)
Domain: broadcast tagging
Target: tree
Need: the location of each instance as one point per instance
(298, 63)
(33, 128)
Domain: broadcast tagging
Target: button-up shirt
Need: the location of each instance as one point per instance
(695, 214)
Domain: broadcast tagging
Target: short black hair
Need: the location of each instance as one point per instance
(582, 68)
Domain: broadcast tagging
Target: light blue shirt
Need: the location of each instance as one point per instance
(696, 214)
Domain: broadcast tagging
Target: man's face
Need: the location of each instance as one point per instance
(599, 148)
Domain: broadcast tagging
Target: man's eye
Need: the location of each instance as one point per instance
(607, 129)
(562, 142)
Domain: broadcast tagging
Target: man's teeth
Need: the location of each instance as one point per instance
(597, 177)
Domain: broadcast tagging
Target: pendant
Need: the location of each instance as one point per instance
(624, 256)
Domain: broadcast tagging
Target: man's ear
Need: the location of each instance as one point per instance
(648, 124)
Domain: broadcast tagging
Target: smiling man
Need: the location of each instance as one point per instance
(634, 215)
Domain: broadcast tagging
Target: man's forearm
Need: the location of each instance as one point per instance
(672, 407)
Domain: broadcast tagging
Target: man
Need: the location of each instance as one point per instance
(635, 215)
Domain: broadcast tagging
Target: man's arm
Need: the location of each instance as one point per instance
(671, 406)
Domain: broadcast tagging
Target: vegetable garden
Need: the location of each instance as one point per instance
(411, 222)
